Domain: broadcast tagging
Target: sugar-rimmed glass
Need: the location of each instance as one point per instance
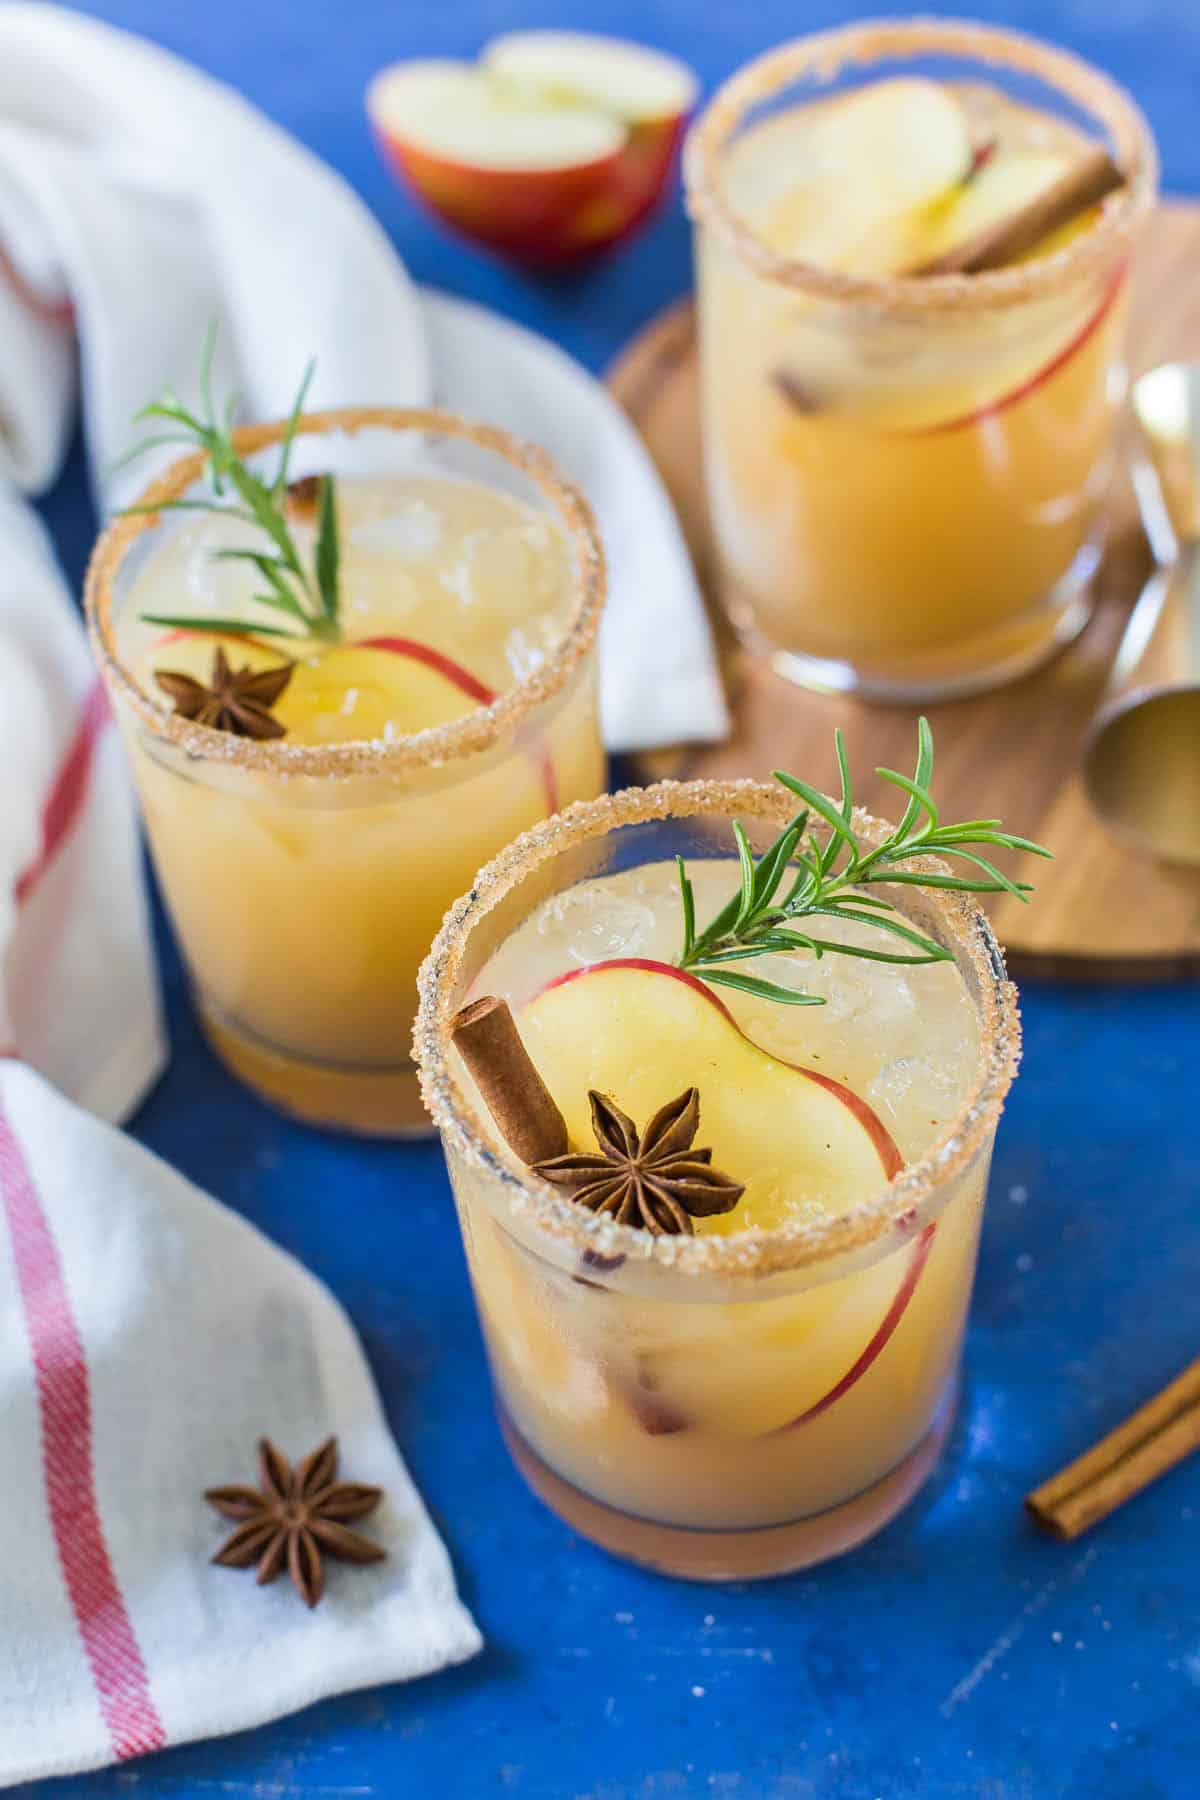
(577, 1310)
(907, 475)
(305, 881)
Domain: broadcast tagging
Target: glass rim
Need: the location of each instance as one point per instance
(468, 735)
(802, 1244)
(824, 53)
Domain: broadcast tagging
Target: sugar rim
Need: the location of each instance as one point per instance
(823, 54)
(964, 928)
(468, 735)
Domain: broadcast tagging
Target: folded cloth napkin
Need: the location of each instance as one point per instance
(147, 1335)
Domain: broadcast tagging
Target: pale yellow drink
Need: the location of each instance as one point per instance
(769, 1391)
(907, 477)
(306, 877)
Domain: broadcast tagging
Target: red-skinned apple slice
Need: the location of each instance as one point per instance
(554, 146)
(762, 1112)
(1040, 376)
(319, 689)
(889, 1157)
(887, 1325)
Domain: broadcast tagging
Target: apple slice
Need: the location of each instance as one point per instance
(556, 145)
(643, 1031)
(373, 688)
(840, 183)
(1003, 183)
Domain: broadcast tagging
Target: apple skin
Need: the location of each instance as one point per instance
(1036, 380)
(471, 685)
(544, 218)
(887, 1325)
(886, 1149)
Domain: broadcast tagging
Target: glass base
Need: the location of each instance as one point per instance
(735, 1555)
(383, 1103)
(989, 661)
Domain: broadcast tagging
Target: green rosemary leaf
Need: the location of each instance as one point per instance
(828, 811)
(746, 860)
(846, 804)
(209, 506)
(179, 415)
(154, 442)
(772, 864)
(688, 897)
(889, 923)
(279, 485)
(1003, 882)
(224, 627)
(883, 956)
(327, 548)
(919, 796)
(765, 990)
(957, 883)
(269, 567)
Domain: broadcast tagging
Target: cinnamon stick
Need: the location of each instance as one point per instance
(1156, 1437)
(527, 1117)
(1083, 185)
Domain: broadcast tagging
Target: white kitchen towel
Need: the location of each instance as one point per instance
(147, 1336)
(141, 200)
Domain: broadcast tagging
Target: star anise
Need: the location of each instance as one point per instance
(237, 700)
(653, 1179)
(296, 1517)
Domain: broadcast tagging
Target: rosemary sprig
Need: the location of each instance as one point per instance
(307, 597)
(831, 871)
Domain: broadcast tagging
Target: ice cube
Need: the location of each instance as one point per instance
(412, 530)
(589, 925)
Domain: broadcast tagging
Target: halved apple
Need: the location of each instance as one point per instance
(555, 145)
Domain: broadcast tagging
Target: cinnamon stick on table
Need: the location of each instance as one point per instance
(1155, 1438)
(1083, 185)
(526, 1114)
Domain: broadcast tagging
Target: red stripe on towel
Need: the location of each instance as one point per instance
(65, 1404)
(70, 790)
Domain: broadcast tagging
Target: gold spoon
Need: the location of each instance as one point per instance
(1141, 762)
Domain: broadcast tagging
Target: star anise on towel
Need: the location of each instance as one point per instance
(653, 1179)
(297, 1517)
(237, 700)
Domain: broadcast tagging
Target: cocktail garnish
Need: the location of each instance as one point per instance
(1085, 184)
(236, 700)
(527, 1116)
(304, 592)
(831, 872)
(654, 1179)
(295, 1518)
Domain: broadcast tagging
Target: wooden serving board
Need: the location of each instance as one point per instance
(1098, 910)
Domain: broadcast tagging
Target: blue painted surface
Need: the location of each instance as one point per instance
(958, 1655)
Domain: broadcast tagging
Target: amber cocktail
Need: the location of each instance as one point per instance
(450, 705)
(907, 470)
(770, 1387)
